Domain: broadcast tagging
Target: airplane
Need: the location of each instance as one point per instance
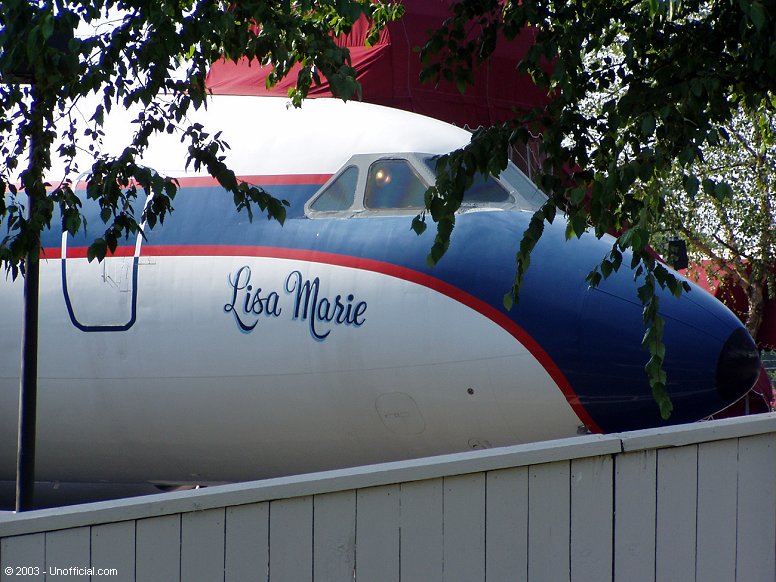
(213, 349)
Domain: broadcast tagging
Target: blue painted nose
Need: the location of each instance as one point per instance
(711, 360)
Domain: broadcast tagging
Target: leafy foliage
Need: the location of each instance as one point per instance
(731, 227)
(682, 70)
(153, 56)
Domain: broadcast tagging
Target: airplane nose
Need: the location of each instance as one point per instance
(711, 361)
(738, 366)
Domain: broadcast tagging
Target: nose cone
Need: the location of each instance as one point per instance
(738, 366)
(710, 360)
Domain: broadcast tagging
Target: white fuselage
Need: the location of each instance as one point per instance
(257, 363)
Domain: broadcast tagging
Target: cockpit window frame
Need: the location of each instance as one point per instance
(530, 200)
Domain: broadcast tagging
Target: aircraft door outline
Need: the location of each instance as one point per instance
(109, 302)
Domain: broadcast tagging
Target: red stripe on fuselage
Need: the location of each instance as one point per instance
(497, 316)
(260, 180)
(256, 179)
(81, 252)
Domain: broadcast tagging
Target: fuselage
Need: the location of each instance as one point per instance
(216, 349)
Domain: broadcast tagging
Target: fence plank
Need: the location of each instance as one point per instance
(677, 494)
(421, 531)
(592, 505)
(291, 539)
(113, 546)
(202, 545)
(756, 534)
(158, 548)
(464, 527)
(506, 525)
(247, 543)
(717, 492)
(635, 508)
(377, 534)
(25, 556)
(549, 506)
(334, 536)
(65, 550)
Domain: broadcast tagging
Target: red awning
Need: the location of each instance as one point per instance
(389, 73)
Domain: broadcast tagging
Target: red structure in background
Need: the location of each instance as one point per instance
(389, 73)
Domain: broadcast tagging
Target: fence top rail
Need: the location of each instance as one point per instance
(12, 524)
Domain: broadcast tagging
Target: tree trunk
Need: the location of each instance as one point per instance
(756, 296)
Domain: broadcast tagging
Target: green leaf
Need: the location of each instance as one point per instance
(72, 222)
(616, 258)
(723, 191)
(647, 125)
(646, 292)
(690, 184)
(663, 401)
(625, 240)
(97, 250)
(418, 225)
(577, 195)
(757, 15)
(594, 278)
(578, 224)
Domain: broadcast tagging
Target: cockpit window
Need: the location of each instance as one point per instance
(393, 184)
(484, 189)
(512, 186)
(339, 194)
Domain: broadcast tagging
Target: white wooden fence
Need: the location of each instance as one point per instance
(689, 503)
